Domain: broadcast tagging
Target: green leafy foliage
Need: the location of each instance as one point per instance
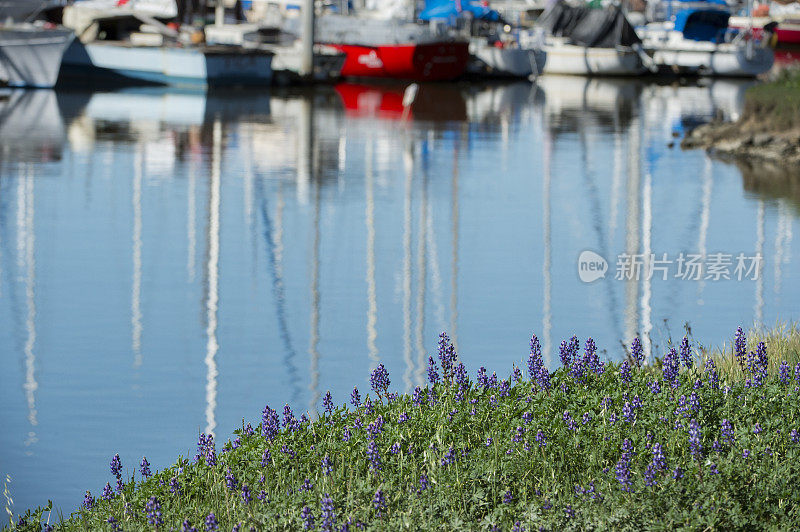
(464, 454)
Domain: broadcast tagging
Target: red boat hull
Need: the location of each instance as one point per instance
(784, 35)
(416, 62)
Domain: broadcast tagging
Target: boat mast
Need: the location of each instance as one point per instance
(307, 65)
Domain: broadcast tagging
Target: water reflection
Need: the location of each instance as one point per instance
(280, 245)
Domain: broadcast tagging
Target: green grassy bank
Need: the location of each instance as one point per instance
(696, 441)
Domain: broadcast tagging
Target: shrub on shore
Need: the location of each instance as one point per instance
(592, 445)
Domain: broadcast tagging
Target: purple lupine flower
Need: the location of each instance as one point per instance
(423, 483)
(174, 485)
(88, 500)
(783, 373)
(327, 402)
(677, 474)
(726, 431)
(493, 401)
(248, 430)
(355, 398)
(269, 423)
(210, 451)
(307, 485)
(527, 417)
(612, 418)
(289, 421)
(568, 421)
(262, 496)
(671, 365)
(745, 453)
(376, 427)
(568, 351)
(628, 412)
(266, 458)
(591, 358)
(246, 497)
(505, 388)
(541, 438)
(327, 515)
(230, 480)
(374, 456)
(379, 379)
(145, 468)
(379, 502)
(711, 371)
(418, 398)
(587, 418)
(308, 518)
(108, 492)
(797, 373)
(187, 526)
(623, 472)
(116, 466)
(483, 381)
(111, 521)
(447, 356)
(489, 441)
(740, 345)
(694, 402)
(625, 372)
(637, 352)
(449, 457)
(368, 407)
(793, 435)
(402, 418)
(460, 374)
(493, 380)
(761, 357)
(695, 446)
(507, 497)
(518, 435)
(327, 467)
(712, 468)
(153, 510)
(535, 359)
(655, 387)
(657, 465)
(395, 448)
(686, 353)
(120, 485)
(516, 374)
(452, 414)
(757, 428)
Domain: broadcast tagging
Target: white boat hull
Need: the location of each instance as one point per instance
(31, 56)
(505, 62)
(568, 59)
(671, 51)
(733, 61)
(169, 65)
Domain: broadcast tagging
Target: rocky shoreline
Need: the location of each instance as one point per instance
(746, 141)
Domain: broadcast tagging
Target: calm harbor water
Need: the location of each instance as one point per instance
(172, 261)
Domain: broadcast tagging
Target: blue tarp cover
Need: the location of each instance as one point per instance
(702, 24)
(451, 9)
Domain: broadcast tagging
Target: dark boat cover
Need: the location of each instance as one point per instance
(584, 26)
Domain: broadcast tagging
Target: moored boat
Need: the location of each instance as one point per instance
(393, 49)
(698, 42)
(585, 41)
(31, 54)
(139, 47)
(787, 31)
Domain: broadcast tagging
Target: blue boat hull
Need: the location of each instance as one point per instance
(168, 65)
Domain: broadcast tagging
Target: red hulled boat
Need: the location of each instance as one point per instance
(389, 49)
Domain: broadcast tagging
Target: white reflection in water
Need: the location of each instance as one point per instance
(136, 284)
(372, 303)
(27, 257)
(783, 242)
(212, 275)
(408, 166)
(758, 310)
